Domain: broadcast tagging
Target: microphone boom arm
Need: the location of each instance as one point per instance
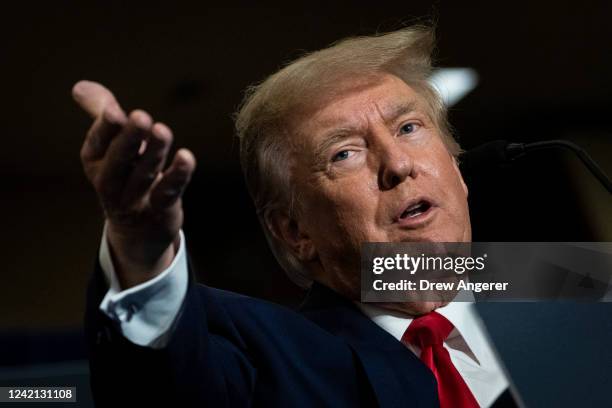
(516, 150)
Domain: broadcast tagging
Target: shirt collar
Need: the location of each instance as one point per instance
(466, 336)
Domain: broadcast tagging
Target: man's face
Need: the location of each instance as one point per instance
(372, 167)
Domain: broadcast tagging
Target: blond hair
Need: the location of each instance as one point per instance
(263, 122)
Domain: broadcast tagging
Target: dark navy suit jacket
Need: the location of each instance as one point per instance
(229, 350)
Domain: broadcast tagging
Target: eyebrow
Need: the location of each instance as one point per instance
(340, 133)
(398, 110)
(333, 137)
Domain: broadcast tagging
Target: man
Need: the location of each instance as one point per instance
(343, 146)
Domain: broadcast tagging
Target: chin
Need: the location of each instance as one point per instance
(437, 233)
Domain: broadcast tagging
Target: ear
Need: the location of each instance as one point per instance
(458, 171)
(287, 230)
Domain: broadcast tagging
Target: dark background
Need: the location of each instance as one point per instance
(545, 72)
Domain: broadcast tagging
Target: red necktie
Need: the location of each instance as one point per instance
(428, 332)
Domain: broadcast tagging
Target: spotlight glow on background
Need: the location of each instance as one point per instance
(454, 83)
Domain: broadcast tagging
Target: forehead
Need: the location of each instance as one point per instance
(384, 97)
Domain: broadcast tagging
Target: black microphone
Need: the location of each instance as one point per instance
(501, 152)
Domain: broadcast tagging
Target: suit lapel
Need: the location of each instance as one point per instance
(397, 376)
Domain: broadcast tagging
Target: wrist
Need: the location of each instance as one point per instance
(139, 260)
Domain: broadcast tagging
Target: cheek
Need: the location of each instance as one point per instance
(455, 200)
(442, 169)
(345, 209)
(452, 186)
(442, 173)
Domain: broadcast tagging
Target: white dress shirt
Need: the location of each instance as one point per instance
(146, 313)
(467, 344)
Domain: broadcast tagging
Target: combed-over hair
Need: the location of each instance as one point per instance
(263, 122)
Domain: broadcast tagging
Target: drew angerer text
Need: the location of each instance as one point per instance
(426, 285)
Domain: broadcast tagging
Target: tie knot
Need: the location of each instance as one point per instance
(428, 330)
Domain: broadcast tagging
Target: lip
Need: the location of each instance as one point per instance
(420, 220)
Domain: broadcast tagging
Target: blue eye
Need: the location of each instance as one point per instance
(407, 128)
(343, 155)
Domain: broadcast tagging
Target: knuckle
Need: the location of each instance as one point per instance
(83, 153)
(147, 177)
(157, 157)
(89, 171)
(151, 176)
(124, 217)
(103, 187)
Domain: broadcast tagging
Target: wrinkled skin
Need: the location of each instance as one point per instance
(358, 160)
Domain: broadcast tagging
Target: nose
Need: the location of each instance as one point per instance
(396, 164)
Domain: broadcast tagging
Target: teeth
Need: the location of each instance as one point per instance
(414, 210)
(414, 207)
(413, 213)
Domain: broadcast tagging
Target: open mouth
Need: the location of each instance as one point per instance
(415, 210)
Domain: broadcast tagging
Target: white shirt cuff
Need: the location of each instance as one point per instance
(146, 312)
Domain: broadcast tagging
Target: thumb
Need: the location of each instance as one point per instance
(93, 97)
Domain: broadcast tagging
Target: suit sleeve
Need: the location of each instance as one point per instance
(202, 361)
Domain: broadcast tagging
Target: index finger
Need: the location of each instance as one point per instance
(93, 97)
